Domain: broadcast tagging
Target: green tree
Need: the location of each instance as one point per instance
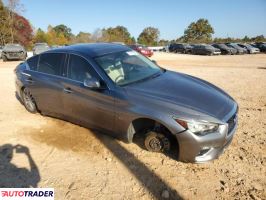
(5, 35)
(40, 36)
(81, 37)
(133, 40)
(63, 29)
(149, 36)
(246, 39)
(199, 31)
(163, 42)
(117, 34)
(259, 38)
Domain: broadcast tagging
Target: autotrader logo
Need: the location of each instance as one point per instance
(26, 193)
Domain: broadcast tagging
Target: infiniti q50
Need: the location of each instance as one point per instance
(112, 88)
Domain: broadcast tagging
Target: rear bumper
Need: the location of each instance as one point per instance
(200, 149)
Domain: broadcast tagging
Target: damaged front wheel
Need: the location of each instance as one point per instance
(157, 142)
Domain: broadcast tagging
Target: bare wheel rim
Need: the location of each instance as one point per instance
(28, 100)
(155, 144)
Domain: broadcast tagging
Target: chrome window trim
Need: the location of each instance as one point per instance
(66, 62)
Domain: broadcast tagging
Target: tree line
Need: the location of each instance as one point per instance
(14, 28)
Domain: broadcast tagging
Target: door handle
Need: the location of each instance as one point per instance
(67, 90)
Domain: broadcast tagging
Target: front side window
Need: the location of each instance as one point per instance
(127, 67)
(51, 63)
(79, 69)
(33, 62)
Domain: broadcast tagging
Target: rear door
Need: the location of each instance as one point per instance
(94, 108)
(45, 82)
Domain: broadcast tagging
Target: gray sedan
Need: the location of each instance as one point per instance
(112, 88)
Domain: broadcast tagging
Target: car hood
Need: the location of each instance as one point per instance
(13, 49)
(183, 91)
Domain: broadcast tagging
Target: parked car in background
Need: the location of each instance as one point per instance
(225, 49)
(114, 89)
(14, 52)
(39, 48)
(142, 49)
(249, 48)
(122, 43)
(180, 48)
(166, 48)
(240, 50)
(260, 45)
(204, 49)
(1, 49)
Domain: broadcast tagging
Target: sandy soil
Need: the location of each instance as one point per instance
(82, 164)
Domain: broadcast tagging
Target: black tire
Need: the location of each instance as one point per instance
(157, 142)
(4, 58)
(29, 101)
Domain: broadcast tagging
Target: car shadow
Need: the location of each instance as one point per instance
(152, 182)
(12, 176)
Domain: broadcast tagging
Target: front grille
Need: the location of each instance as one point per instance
(231, 123)
(14, 54)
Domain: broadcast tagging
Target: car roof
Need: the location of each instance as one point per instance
(92, 49)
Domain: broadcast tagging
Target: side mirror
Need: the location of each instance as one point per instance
(92, 83)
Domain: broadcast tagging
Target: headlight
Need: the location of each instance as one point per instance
(197, 127)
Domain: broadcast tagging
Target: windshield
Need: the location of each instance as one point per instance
(234, 45)
(12, 45)
(127, 67)
(208, 46)
(43, 46)
(222, 46)
(248, 45)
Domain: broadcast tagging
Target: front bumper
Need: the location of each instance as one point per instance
(216, 52)
(200, 149)
(14, 55)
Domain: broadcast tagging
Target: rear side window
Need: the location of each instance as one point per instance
(51, 63)
(33, 62)
(79, 69)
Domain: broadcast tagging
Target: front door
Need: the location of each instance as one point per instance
(94, 108)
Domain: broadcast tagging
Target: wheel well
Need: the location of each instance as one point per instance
(141, 126)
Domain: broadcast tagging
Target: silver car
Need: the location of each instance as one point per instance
(112, 88)
(13, 52)
(250, 49)
(40, 48)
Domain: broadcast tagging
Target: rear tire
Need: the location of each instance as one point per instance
(157, 142)
(29, 101)
(4, 58)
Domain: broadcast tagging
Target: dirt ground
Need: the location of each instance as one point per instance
(82, 164)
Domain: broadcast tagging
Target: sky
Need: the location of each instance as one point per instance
(229, 18)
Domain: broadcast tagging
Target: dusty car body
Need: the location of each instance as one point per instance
(203, 49)
(14, 52)
(260, 45)
(180, 48)
(114, 89)
(225, 49)
(249, 48)
(40, 47)
(239, 49)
